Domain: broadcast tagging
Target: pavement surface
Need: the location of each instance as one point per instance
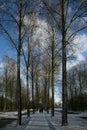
(44, 121)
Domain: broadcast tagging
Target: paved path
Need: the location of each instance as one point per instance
(38, 122)
(43, 121)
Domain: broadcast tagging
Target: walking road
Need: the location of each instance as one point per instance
(38, 122)
(44, 121)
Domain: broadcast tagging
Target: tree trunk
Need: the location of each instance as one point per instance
(32, 75)
(45, 94)
(48, 93)
(37, 98)
(6, 85)
(18, 64)
(19, 89)
(28, 100)
(64, 73)
(52, 112)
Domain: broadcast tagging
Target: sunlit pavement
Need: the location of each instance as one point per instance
(38, 122)
(44, 121)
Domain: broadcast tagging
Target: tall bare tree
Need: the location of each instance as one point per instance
(29, 27)
(66, 22)
(14, 15)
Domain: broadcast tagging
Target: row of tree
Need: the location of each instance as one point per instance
(8, 86)
(41, 48)
(77, 87)
(9, 90)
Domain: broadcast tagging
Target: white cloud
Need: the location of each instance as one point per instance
(42, 28)
(69, 10)
(1, 65)
(81, 40)
(79, 55)
(81, 43)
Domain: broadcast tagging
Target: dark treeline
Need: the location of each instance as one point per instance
(8, 86)
(77, 87)
(8, 89)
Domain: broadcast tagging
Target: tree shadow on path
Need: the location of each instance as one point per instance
(51, 126)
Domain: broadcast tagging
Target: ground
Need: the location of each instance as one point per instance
(44, 121)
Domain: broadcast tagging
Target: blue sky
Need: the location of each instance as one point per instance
(6, 48)
(80, 49)
(80, 45)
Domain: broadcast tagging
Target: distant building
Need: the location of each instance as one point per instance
(58, 105)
